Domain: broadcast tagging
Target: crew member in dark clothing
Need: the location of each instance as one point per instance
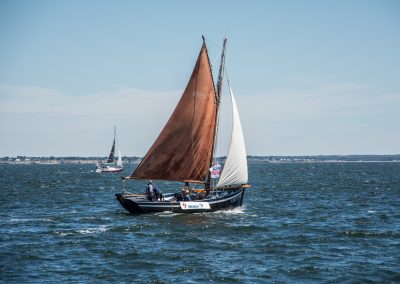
(158, 193)
(184, 195)
(150, 191)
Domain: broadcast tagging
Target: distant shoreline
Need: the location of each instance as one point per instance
(265, 159)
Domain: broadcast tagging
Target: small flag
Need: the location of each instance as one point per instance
(215, 171)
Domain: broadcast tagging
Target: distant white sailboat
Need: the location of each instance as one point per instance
(111, 166)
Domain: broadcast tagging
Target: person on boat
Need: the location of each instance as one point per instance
(158, 193)
(184, 195)
(194, 196)
(150, 190)
(202, 195)
(186, 186)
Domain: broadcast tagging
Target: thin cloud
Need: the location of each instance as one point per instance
(32, 99)
(307, 118)
(321, 119)
(52, 121)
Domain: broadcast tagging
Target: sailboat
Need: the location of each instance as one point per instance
(184, 152)
(111, 165)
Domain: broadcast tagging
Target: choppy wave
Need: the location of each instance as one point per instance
(301, 223)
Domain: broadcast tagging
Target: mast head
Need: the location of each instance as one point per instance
(204, 39)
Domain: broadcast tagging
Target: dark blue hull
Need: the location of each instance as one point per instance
(137, 206)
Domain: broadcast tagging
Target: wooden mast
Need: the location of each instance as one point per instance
(218, 100)
(221, 71)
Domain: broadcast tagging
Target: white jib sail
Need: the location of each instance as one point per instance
(119, 161)
(235, 168)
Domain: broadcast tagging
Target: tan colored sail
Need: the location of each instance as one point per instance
(183, 149)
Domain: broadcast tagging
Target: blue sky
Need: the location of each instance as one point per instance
(310, 77)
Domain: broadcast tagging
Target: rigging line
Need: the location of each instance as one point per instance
(227, 77)
(213, 62)
(218, 145)
(213, 43)
(218, 55)
(217, 152)
(218, 97)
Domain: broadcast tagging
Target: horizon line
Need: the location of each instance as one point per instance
(263, 155)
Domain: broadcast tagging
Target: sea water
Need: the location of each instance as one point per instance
(300, 223)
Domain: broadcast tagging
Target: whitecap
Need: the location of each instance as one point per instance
(167, 214)
(63, 234)
(100, 229)
(234, 211)
(28, 220)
